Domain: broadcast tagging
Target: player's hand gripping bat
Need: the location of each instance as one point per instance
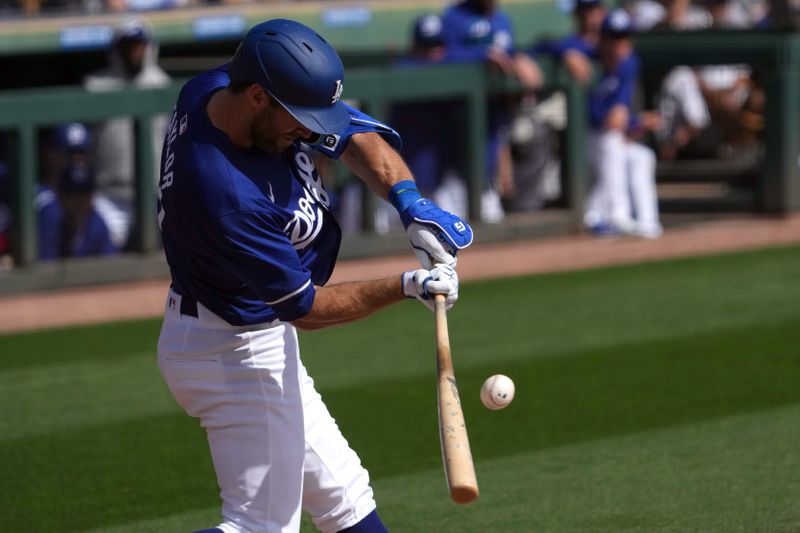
(456, 456)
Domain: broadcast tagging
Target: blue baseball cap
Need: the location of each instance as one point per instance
(428, 31)
(298, 68)
(617, 23)
(132, 31)
(73, 137)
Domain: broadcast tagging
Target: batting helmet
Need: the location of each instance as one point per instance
(298, 68)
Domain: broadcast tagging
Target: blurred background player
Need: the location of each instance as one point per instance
(430, 147)
(132, 62)
(69, 225)
(578, 50)
(623, 196)
(478, 30)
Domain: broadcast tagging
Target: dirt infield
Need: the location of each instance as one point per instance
(146, 299)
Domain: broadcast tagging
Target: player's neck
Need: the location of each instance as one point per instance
(227, 114)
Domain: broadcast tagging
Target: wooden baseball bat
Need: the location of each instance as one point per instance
(456, 456)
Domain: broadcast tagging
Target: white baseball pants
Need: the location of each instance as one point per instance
(273, 443)
(681, 101)
(623, 195)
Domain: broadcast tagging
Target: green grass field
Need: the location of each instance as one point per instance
(650, 398)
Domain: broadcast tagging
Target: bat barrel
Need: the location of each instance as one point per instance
(456, 455)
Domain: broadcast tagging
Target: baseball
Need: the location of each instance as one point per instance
(497, 392)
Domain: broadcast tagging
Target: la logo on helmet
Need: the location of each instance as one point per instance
(338, 93)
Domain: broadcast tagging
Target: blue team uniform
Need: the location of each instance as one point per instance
(429, 146)
(468, 33)
(559, 47)
(92, 238)
(246, 233)
(614, 88)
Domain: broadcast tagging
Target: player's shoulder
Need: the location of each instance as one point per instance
(456, 10)
(201, 85)
(501, 16)
(630, 65)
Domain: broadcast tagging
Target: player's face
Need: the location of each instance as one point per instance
(614, 50)
(590, 19)
(274, 129)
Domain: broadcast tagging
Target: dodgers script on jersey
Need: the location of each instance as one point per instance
(468, 32)
(246, 233)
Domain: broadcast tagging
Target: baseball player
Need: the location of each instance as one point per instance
(577, 51)
(623, 198)
(250, 243)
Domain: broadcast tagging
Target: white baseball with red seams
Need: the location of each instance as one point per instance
(497, 392)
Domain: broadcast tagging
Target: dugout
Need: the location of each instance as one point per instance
(33, 57)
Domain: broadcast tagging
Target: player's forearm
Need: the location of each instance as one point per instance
(349, 301)
(375, 162)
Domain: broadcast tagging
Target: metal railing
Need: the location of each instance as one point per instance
(22, 113)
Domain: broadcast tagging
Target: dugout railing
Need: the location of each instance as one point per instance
(24, 113)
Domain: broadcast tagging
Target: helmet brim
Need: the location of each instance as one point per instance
(322, 120)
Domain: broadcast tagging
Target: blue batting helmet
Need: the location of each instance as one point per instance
(298, 68)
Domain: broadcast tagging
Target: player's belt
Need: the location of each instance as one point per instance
(188, 306)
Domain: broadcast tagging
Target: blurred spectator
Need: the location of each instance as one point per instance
(706, 111)
(132, 62)
(430, 148)
(679, 15)
(67, 143)
(623, 197)
(145, 5)
(477, 30)
(577, 51)
(69, 225)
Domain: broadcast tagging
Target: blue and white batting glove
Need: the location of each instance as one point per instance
(423, 284)
(436, 235)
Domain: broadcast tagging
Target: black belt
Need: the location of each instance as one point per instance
(188, 306)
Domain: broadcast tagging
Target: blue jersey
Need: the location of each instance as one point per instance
(468, 33)
(246, 233)
(92, 237)
(560, 47)
(613, 88)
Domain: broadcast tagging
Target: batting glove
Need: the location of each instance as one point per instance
(423, 284)
(435, 235)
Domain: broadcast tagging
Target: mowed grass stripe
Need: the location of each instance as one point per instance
(565, 313)
(594, 354)
(714, 476)
(393, 425)
(590, 395)
(68, 396)
(730, 475)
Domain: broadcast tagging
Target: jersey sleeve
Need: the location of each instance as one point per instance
(333, 145)
(628, 75)
(263, 257)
